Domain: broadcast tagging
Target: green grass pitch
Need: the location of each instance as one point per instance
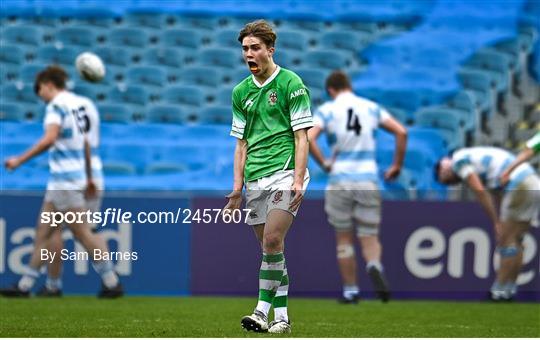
(76, 316)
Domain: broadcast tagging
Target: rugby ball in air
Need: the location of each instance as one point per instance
(90, 67)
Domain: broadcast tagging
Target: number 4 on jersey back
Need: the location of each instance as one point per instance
(353, 123)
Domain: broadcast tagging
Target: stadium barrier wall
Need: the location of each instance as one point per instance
(432, 250)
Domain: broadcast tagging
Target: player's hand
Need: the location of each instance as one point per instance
(298, 192)
(327, 165)
(392, 172)
(235, 201)
(91, 190)
(505, 177)
(12, 163)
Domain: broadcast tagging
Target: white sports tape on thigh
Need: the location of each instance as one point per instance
(344, 251)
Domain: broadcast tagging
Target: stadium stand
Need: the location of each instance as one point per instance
(453, 74)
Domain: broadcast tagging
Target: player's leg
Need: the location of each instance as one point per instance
(255, 203)
(367, 214)
(74, 201)
(346, 259)
(520, 229)
(519, 209)
(338, 205)
(53, 283)
(31, 273)
(95, 248)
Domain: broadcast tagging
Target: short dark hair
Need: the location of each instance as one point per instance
(338, 80)
(54, 74)
(260, 29)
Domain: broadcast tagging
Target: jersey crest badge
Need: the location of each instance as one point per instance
(272, 98)
(278, 197)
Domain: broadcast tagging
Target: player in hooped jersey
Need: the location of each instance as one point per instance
(65, 141)
(271, 115)
(481, 168)
(352, 198)
(89, 123)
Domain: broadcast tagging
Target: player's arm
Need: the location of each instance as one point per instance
(301, 149)
(313, 135)
(90, 185)
(44, 143)
(523, 156)
(240, 154)
(485, 199)
(393, 126)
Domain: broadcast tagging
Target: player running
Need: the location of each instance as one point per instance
(480, 168)
(65, 141)
(271, 115)
(352, 198)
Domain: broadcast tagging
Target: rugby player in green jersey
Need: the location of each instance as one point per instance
(271, 116)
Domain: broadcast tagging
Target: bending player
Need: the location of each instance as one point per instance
(480, 168)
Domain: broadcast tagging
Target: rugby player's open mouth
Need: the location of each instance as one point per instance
(253, 67)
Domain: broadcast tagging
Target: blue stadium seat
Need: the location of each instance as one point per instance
(370, 28)
(147, 75)
(29, 72)
(239, 74)
(115, 113)
(96, 92)
(162, 113)
(292, 39)
(228, 38)
(345, 40)
(118, 168)
(19, 92)
(215, 115)
(9, 72)
(184, 94)
(78, 35)
(287, 58)
(148, 19)
(157, 168)
(497, 65)
(58, 55)
(219, 57)
(22, 34)
(481, 85)
(116, 56)
(312, 78)
(198, 22)
(11, 111)
(12, 54)
(128, 37)
(224, 96)
(448, 123)
(181, 38)
(202, 76)
(131, 94)
(170, 57)
(326, 59)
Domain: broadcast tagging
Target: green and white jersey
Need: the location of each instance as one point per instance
(534, 143)
(266, 116)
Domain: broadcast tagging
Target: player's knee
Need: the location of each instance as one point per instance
(272, 242)
(344, 250)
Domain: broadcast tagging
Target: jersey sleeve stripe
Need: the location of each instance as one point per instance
(302, 126)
